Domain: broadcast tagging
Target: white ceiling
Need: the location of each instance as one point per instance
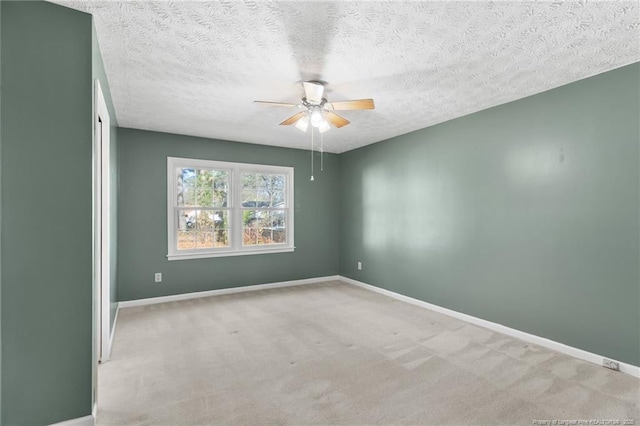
(194, 67)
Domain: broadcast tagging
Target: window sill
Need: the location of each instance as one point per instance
(187, 256)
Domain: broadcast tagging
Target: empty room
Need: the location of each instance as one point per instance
(319, 213)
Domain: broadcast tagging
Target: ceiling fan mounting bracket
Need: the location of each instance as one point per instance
(310, 104)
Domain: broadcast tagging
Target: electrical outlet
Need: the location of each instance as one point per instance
(158, 277)
(359, 266)
(611, 364)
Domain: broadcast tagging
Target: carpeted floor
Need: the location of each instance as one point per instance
(332, 353)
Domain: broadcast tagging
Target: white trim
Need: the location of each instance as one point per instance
(234, 209)
(80, 421)
(102, 226)
(199, 294)
(228, 253)
(531, 338)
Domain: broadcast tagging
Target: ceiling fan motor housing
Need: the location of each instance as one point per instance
(311, 104)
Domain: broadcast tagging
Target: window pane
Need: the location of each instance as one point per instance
(264, 227)
(221, 219)
(220, 188)
(203, 197)
(186, 219)
(278, 199)
(278, 182)
(249, 198)
(221, 228)
(249, 228)
(204, 240)
(204, 220)
(186, 240)
(279, 237)
(222, 238)
(204, 188)
(187, 236)
(278, 218)
(264, 198)
(262, 181)
(186, 186)
(248, 218)
(248, 180)
(278, 225)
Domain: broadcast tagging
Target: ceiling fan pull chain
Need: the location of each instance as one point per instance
(322, 152)
(311, 153)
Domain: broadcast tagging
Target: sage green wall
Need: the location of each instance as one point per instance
(142, 238)
(46, 213)
(0, 211)
(525, 214)
(100, 74)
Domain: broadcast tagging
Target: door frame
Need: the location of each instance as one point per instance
(101, 227)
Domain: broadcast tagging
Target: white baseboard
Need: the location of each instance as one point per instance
(531, 338)
(196, 295)
(80, 421)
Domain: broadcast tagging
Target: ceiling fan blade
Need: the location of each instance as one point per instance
(282, 104)
(355, 104)
(293, 118)
(335, 119)
(313, 91)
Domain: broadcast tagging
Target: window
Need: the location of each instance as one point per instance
(228, 209)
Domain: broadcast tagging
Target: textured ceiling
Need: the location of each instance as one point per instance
(195, 67)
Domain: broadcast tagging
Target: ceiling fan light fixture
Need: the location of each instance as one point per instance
(324, 126)
(316, 118)
(303, 123)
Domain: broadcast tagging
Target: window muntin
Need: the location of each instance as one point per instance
(224, 209)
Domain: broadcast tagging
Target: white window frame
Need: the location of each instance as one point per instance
(235, 208)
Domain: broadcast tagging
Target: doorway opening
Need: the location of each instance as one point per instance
(102, 238)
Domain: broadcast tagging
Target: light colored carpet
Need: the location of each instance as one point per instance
(332, 353)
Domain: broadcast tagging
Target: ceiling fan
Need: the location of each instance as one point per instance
(317, 111)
